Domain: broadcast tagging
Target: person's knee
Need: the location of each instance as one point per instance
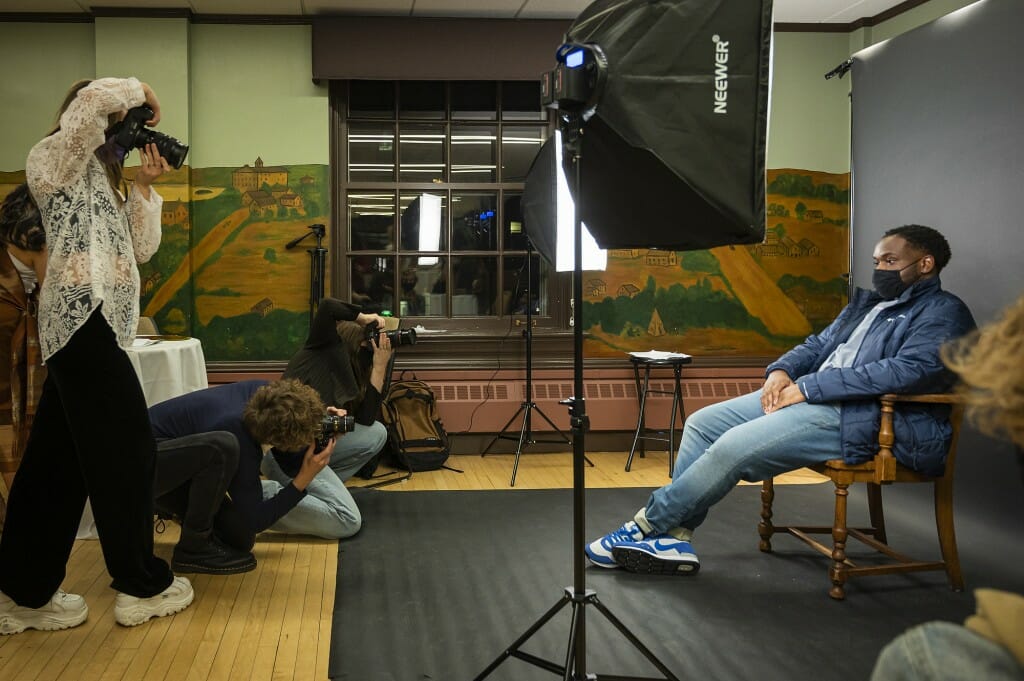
(378, 436)
(220, 449)
(351, 527)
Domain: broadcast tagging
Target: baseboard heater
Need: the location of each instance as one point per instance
(611, 404)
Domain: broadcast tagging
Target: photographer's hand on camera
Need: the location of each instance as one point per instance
(151, 166)
(313, 463)
(364, 319)
(382, 351)
(153, 103)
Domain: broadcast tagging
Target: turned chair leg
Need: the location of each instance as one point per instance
(947, 533)
(765, 527)
(839, 532)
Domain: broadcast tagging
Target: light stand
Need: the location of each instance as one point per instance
(575, 666)
(527, 406)
(317, 266)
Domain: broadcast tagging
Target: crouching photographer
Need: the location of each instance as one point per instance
(346, 361)
(238, 423)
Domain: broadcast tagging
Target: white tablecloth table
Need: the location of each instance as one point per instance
(166, 368)
(169, 368)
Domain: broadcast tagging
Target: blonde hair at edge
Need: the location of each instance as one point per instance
(285, 414)
(990, 363)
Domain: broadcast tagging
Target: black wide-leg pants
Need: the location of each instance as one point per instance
(91, 438)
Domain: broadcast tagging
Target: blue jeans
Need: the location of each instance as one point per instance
(735, 440)
(943, 651)
(328, 509)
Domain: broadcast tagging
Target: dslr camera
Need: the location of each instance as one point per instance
(397, 336)
(132, 133)
(332, 425)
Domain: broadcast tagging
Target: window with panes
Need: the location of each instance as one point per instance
(429, 198)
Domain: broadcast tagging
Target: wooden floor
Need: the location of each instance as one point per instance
(274, 622)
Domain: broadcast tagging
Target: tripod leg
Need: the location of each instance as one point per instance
(553, 426)
(523, 435)
(503, 429)
(669, 676)
(512, 649)
(563, 435)
(574, 632)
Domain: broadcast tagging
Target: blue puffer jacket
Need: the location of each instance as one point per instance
(900, 354)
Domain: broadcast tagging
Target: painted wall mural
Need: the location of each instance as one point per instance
(223, 273)
(731, 301)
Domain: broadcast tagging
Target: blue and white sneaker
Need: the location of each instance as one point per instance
(599, 551)
(661, 554)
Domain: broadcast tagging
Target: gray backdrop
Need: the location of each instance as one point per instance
(938, 139)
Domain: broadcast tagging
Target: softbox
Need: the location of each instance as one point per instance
(673, 155)
(548, 213)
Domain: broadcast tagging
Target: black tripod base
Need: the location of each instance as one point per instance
(567, 671)
(525, 436)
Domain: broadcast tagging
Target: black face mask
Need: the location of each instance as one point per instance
(889, 284)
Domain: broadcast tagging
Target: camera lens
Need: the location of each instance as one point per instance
(402, 337)
(172, 150)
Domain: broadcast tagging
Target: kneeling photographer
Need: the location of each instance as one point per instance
(346, 361)
(241, 422)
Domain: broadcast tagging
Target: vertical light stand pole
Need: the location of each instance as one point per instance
(527, 406)
(575, 667)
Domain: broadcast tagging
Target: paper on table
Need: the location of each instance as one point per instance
(143, 342)
(658, 354)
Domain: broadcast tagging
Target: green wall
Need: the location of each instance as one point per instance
(39, 62)
(252, 89)
(810, 116)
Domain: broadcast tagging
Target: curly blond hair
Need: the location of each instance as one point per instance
(285, 414)
(990, 363)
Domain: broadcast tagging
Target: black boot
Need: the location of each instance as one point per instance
(212, 557)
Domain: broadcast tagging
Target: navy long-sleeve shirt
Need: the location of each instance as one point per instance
(221, 408)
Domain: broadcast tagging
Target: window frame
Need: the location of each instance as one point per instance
(557, 317)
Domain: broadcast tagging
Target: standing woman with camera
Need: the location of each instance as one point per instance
(91, 436)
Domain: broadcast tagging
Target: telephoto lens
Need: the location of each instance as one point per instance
(132, 133)
(398, 337)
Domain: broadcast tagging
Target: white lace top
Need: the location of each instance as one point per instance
(93, 236)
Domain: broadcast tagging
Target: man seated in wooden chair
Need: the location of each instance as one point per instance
(819, 402)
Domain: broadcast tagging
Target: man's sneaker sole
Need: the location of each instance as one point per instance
(642, 562)
(11, 624)
(141, 610)
(199, 568)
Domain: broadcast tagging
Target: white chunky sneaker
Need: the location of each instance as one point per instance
(62, 612)
(130, 611)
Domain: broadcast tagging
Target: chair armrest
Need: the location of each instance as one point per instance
(934, 398)
(885, 462)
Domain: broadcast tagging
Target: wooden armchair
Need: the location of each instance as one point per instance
(882, 470)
